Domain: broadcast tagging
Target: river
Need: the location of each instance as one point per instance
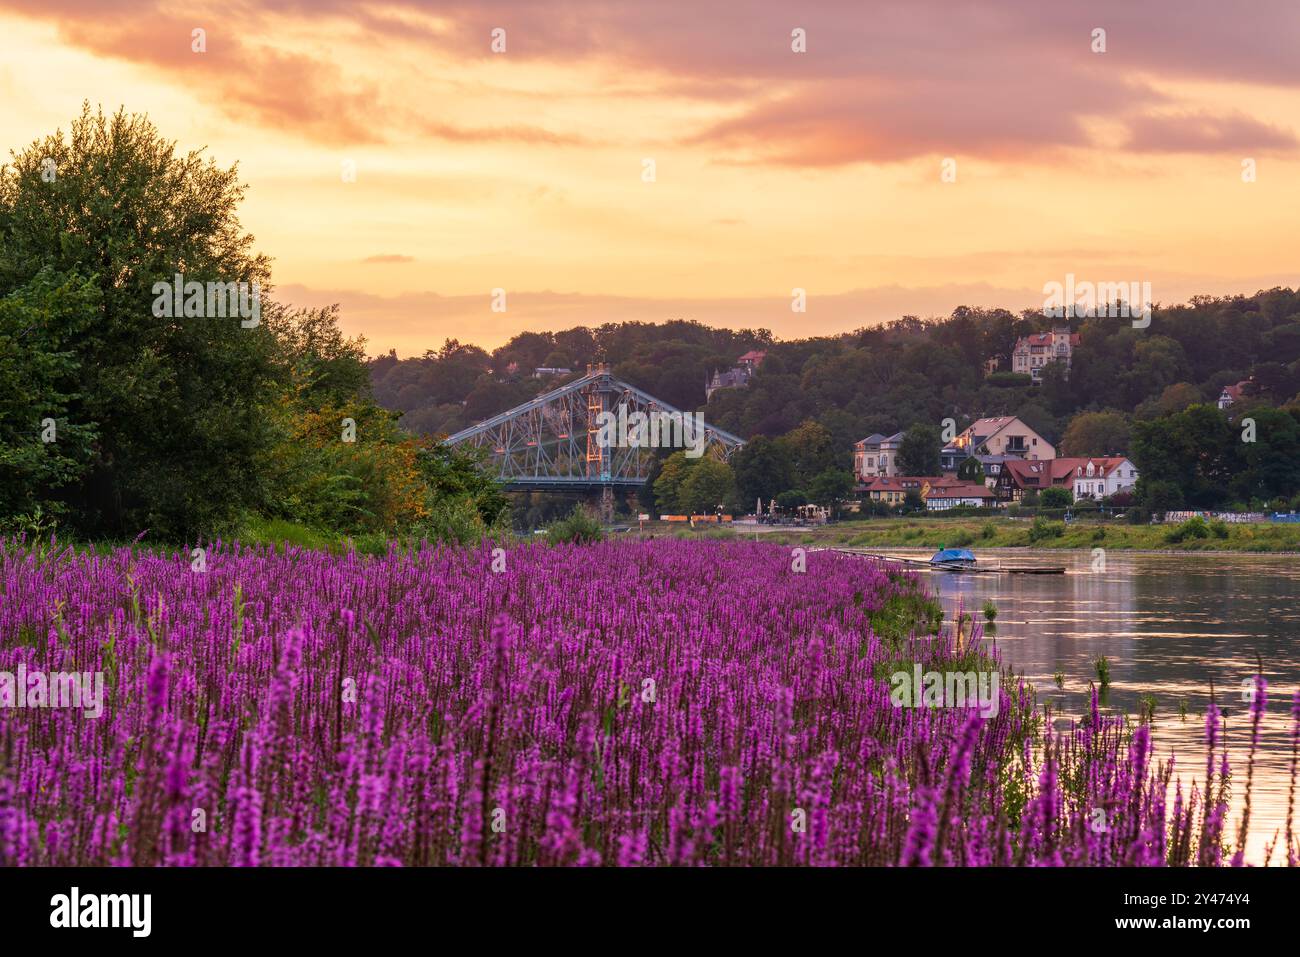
(1170, 624)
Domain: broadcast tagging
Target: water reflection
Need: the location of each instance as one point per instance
(1170, 626)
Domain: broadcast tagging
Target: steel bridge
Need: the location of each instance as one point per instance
(555, 442)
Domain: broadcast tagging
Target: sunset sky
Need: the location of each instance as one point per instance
(523, 170)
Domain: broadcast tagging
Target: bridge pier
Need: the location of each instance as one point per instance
(607, 504)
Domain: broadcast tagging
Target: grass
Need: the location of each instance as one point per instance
(283, 534)
(1000, 532)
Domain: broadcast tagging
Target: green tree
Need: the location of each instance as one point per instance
(43, 449)
(764, 468)
(668, 486)
(1057, 496)
(1193, 451)
(177, 404)
(707, 485)
(812, 451)
(1095, 434)
(918, 454)
(971, 470)
(831, 488)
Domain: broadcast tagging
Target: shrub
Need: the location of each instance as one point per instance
(1042, 530)
(1194, 527)
(1056, 497)
(580, 526)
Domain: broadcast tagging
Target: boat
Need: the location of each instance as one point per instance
(952, 556)
(957, 560)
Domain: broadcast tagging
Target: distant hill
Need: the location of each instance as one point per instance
(880, 379)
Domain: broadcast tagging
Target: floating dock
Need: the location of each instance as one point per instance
(960, 566)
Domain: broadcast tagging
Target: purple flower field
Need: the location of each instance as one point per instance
(655, 703)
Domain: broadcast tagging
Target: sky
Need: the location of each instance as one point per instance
(615, 161)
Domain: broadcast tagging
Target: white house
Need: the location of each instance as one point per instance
(1099, 477)
(942, 497)
(877, 455)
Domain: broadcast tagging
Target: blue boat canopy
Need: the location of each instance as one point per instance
(953, 555)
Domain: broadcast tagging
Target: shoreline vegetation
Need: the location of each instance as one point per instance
(978, 533)
(1021, 534)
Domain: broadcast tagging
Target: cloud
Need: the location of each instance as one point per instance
(414, 322)
(878, 84)
(1205, 133)
(389, 258)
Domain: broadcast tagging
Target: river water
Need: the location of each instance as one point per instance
(1170, 624)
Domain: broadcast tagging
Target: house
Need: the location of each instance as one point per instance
(1232, 394)
(737, 376)
(1099, 477)
(992, 465)
(542, 371)
(893, 489)
(951, 456)
(1018, 476)
(1032, 353)
(1004, 435)
(876, 455)
(951, 495)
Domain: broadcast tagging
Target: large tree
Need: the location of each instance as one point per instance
(1095, 434)
(176, 405)
(918, 454)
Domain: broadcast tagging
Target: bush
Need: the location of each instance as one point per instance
(1056, 497)
(1194, 527)
(1042, 530)
(580, 526)
(1219, 528)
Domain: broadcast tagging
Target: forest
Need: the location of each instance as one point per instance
(1128, 389)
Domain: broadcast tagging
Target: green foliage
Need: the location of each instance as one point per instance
(918, 454)
(581, 526)
(792, 498)
(170, 411)
(971, 470)
(1095, 434)
(764, 468)
(905, 614)
(709, 486)
(1194, 527)
(1042, 530)
(831, 488)
(668, 485)
(185, 426)
(39, 383)
(1058, 496)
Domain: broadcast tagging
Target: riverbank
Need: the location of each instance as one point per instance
(1023, 533)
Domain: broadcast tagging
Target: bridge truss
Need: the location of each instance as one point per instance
(553, 441)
